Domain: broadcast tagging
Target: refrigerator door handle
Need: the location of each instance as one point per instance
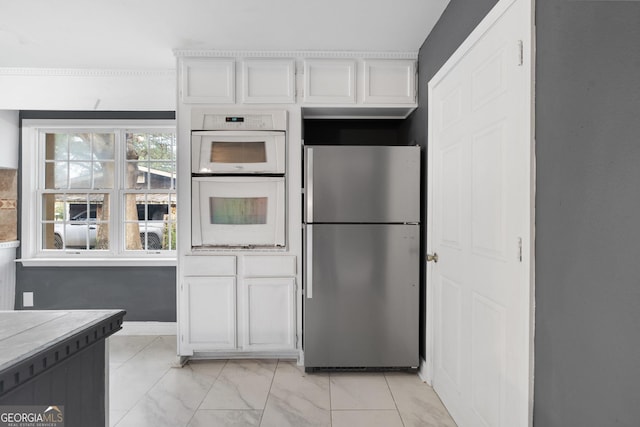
(309, 263)
(309, 185)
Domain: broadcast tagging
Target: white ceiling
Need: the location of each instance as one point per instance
(141, 34)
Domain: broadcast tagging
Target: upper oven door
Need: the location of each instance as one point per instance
(238, 152)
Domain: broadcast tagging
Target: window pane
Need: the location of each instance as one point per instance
(56, 174)
(150, 222)
(80, 146)
(56, 146)
(103, 146)
(103, 174)
(75, 221)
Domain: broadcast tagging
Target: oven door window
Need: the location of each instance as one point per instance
(238, 152)
(238, 210)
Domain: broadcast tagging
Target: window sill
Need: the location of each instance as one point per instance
(98, 262)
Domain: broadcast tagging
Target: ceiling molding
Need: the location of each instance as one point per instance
(83, 72)
(184, 53)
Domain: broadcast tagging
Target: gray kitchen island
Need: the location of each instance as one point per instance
(56, 363)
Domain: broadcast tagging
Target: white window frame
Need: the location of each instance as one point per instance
(32, 253)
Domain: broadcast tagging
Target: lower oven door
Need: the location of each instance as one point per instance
(238, 211)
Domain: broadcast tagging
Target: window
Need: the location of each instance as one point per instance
(99, 189)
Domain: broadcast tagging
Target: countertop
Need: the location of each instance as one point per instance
(34, 341)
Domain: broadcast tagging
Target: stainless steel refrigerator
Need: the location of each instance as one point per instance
(362, 256)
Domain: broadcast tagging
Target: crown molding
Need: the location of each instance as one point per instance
(195, 53)
(83, 72)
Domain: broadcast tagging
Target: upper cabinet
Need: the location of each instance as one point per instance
(323, 84)
(267, 81)
(389, 82)
(208, 81)
(330, 81)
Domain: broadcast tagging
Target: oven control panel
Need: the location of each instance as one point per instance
(217, 120)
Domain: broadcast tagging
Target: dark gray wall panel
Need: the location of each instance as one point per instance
(146, 293)
(587, 364)
(455, 25)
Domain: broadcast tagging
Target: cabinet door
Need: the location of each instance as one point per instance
(389, 82)
(269, 313)
(330, 81)
(211, 312)
(208, 81)
(268, 81)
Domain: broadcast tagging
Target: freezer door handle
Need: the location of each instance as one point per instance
(309, 184)
(309, 264)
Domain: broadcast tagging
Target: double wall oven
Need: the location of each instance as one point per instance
(238, 170)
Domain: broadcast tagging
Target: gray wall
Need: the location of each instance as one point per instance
(587, 365)
(146, 293)
(587, 360)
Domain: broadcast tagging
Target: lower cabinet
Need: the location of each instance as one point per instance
(236, 313)
(212, 312)
(269, 315)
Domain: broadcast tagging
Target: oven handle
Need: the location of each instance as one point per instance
(309, 184)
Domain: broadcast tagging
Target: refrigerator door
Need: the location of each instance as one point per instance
(362, 184)
(361, 295)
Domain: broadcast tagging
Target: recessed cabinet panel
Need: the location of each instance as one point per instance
(208, 81)
(212, 302)
(209, 266)
(268, 81)
(269, 266)
(329, 81)
(389, 82)
(269, 318)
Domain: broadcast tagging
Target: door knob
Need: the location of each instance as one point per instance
(433, 257)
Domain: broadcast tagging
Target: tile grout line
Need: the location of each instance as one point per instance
(150, 387)
(269, 393)
(330, 404)
(207, 392)
(121, 365)
(386, 380)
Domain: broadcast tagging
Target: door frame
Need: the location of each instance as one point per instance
(426, 371)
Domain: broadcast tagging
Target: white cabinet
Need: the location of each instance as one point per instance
(268, 81)
(329, 81)
(362, 83)
(212, 312)
(269, 315)
(389, 82)
(207, 80)
(238, 304)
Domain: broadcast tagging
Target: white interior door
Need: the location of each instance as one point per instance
(479, 210)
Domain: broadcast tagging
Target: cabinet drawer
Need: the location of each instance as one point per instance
(209, 266)
(269, 266)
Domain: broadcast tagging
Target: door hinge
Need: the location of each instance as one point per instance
(520, 53)
(520, 249)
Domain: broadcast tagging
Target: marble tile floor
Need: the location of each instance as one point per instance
(147, 388)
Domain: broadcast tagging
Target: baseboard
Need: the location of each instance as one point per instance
(148, 328)
(422, 371)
